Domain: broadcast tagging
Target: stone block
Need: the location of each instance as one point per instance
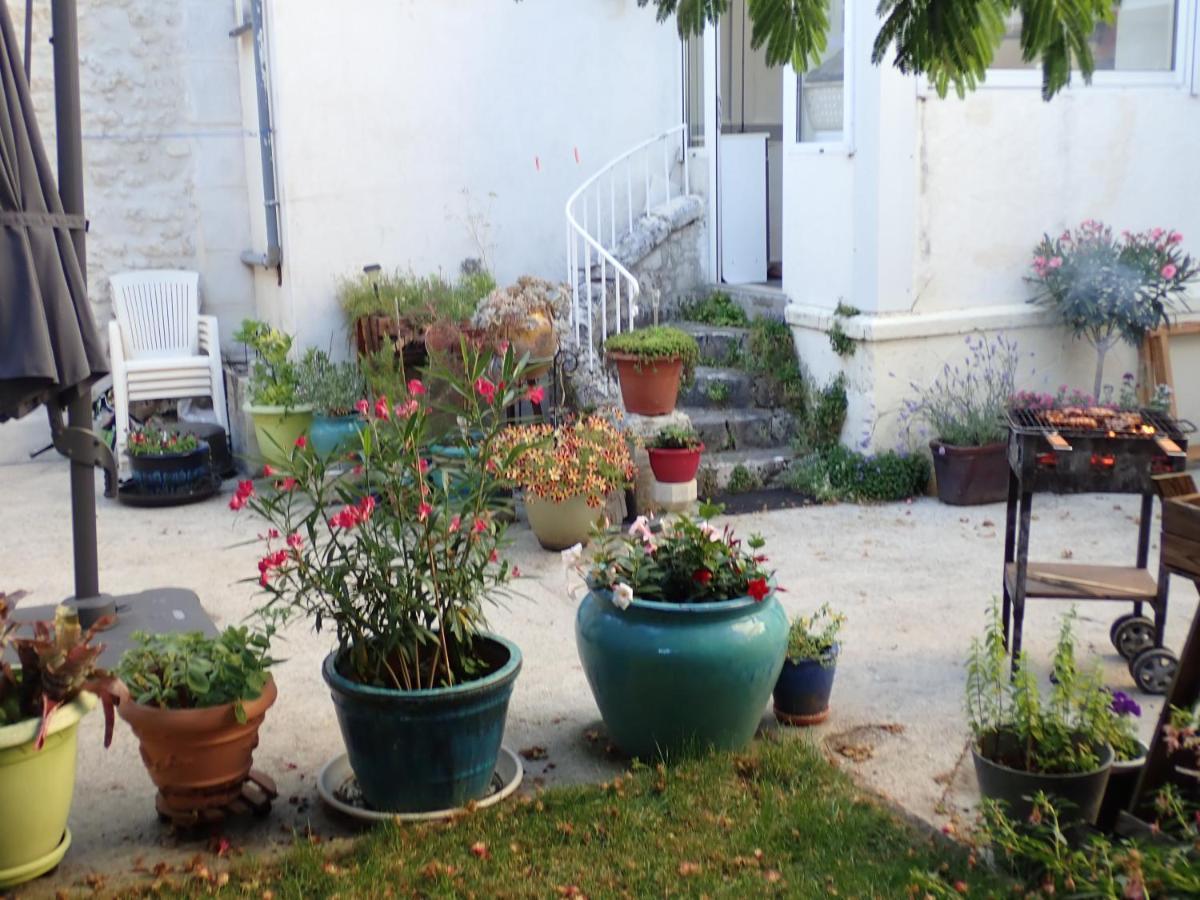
(674, 497)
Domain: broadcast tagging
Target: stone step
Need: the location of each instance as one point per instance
(765, 467)
(758, 301)
(719, 345)
(719, 388)
(742, 429)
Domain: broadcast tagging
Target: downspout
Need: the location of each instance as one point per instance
(253, 25)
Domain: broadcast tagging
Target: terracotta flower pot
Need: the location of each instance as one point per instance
(197, 758)
(674, 465)
(649, 387)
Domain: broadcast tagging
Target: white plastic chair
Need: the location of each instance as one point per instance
(160, 346)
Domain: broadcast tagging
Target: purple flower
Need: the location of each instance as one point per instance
(1124, 705)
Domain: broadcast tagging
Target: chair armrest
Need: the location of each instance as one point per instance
(116, 346)
(209, 335)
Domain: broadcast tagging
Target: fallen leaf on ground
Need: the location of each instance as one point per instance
(535, 752)
(688, 868)
(479, 849)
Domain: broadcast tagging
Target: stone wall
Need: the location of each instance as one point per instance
(163, 145)
(666, 251)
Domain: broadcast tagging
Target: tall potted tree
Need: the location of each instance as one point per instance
(280, 416)
(400, 562)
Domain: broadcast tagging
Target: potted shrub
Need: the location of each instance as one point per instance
(802, 692)
(963, 409)
(42, 699)
(1107, 289)
(334, 391)
(167, 462)
(567, 472)
(400, 563)
(280, 418)
(1023, 744)
(651, 364)
(1129, 757)
(675, 454)
(196, 703)
(681, 637)
(527, 315)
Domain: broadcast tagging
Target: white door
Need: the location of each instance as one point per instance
(742, 180)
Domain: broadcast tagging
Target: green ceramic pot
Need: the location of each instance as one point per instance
(678, 678)
(559, 525)
(36, 787)
(335, 435)
(277, 428)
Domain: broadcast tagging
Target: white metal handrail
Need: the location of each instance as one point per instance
(586, 210)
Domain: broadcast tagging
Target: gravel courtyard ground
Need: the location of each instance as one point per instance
(913, 579)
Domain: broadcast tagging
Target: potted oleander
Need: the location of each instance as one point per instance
(400, 562)
(196, 703)
(675, 454)
(334, 391)
(806, 681)
(680, 635)
(280, 416)
(1129, 756)
(1023, 743)
(528, 314)
(652, 363)
(43, 697)
(168, 462)
(962, 414)
(567, 473)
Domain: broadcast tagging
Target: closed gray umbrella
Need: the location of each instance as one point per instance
(49, 347)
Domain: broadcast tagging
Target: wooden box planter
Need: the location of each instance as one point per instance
(1181, 534)
(373, 333)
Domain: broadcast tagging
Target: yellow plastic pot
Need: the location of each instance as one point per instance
(559, 525)
(36, 787)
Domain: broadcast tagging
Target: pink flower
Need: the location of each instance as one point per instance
(493, 556)
(406, 409)
(302, 442)
(362, 406)
(268, 471)
(536, 395)
(1054, 262)
(502, 347)
(295, 540)
(382, 410)
(366, 506)
(485, 389)
(286, 484)
(1175, 238)
(455, 524)
(237, 502)
(479, 525)
(1155, 234)
(424, 511)
(272, 534)
(1168, 271)
(641, 528)
(423, 466)
(415, 388)
(516, 571)
(245, 490)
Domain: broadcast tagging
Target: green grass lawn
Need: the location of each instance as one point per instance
(776, 821)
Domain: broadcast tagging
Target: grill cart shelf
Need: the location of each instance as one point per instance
(1092, 450)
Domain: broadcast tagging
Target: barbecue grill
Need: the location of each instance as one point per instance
(1092, 450)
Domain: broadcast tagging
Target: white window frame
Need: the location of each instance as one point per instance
(1184, 76)
(792, 145)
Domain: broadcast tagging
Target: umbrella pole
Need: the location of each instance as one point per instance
(69, 138)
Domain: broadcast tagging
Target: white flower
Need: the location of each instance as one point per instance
(570, 556)
(711, 533)
(622, 596)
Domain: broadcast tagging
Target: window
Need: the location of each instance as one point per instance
(693, 88)
(1142, 38)
(821, 91)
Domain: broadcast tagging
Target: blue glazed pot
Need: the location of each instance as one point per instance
(172, 473)
(334, 435)
(419, 751)
(678, 678)
(802, 692)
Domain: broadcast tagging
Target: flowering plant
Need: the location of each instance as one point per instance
(1106, 289)
(688, 561)
(150, 441)
(397, 556)
(1125, 397)
(586, 457)
(676, 437)
(1122, 734)
(815, 637)
(964, 405)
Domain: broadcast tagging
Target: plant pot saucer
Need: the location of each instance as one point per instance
(339, 790)
(35, 868)
(132, 494)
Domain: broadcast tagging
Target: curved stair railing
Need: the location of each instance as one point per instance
(606, 207)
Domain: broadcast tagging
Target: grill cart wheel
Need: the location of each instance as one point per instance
(1154, 669)
(1117, 623)
(1133, 635)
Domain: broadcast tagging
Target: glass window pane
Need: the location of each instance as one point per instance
(1141, 39)
(820, 92)
(693, 61)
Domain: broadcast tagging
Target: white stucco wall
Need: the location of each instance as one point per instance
(397, 120)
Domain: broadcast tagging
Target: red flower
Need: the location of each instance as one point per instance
(703, 576)
(237, 502)
(485, 389)
(295, 540)
(758, 589)
(245, 490)
(423, 465)
(268, 471)
(424, 510)
(362, 406)
(272, 534)
(382, 410)
(479, 525)
(455, 524)
(536, 394)
(286, 484)
(516, 571)
(494, 556)
(415, 388)
(302, 442)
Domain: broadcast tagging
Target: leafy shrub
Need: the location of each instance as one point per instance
(676, 437)
(718, 393)
(658, 342)
(332, 388)
(772, 356)
(742, 480)
(274, 378)
(843, 345)
(716, 309)
(417, 300)
(587, 457)
(813, 637)
(837, 473)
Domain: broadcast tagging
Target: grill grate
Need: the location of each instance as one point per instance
(1032, 421)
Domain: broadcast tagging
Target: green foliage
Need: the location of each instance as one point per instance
(837, 473)
(676, 437)
(825, 414)
(193, 671)
(742, 480)
(772, 356)
(658, 342)
(274, 378)
(1011, 722)
(717, 309)
(718, 393)
(843, 345)
(815, 636)
(845, 310)
(332, 388)
(150, 441)
(415, 300)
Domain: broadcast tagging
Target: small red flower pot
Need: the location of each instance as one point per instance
(675, 466)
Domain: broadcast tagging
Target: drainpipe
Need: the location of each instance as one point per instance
(253, 25)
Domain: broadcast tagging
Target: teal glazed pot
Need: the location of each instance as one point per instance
(426, 750)
(679, 678)
(335, 435)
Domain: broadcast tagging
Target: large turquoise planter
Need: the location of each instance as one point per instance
(335, 435)
(419, 751)
(678, 678)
